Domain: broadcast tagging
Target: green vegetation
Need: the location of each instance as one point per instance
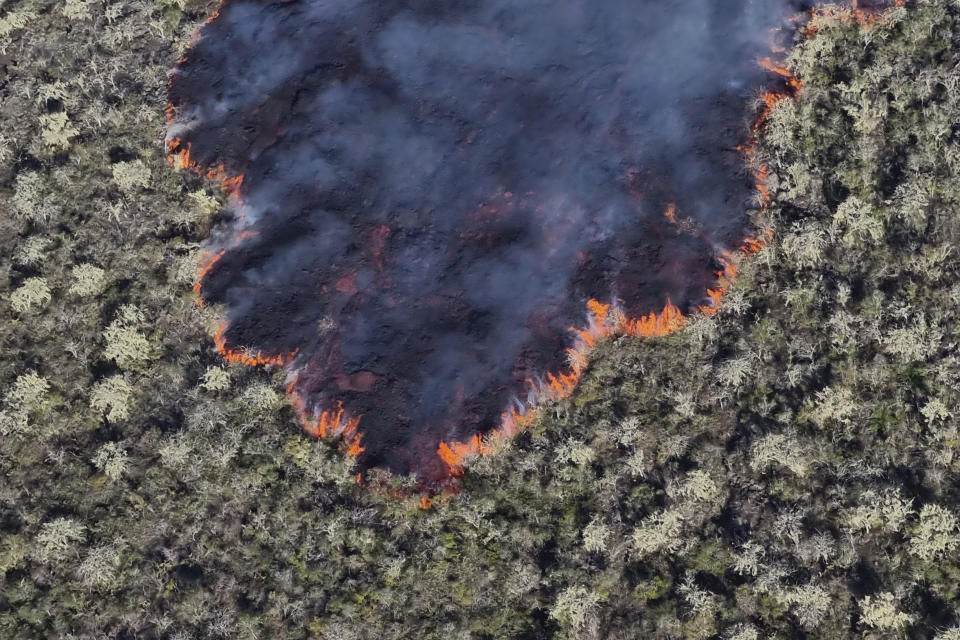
(785, 469)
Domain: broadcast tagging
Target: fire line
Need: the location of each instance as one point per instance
(604, 319)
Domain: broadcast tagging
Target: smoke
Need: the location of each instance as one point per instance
(432, 190)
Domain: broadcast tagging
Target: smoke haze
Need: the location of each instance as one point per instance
(432, 190)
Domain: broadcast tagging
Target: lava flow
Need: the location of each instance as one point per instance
(424, 197)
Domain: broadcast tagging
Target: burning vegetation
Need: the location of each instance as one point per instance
(423, 202)
(785, 466)
(604, 321)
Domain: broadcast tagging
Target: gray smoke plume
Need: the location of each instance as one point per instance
(432, 190)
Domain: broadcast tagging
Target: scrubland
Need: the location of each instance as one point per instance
(787, 468)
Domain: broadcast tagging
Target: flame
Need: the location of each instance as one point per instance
(246, 357)
(456, 453)
(179, 158)
(871, 17)
(781, 70)
(655, 325)
(866, 17)
(331, 423)
(194, 38)
(770, 99)
(328, 423)
(207, 260)
(602, 324)
(604, 320)
(671, 213)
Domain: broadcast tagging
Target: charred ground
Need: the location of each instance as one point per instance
(431, 192)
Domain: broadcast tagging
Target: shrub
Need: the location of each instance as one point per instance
(131, 176)
(575, 609)
(58, 540)
(88, 280)
(934, 534)
(112, 398)
(56, 131)
(125, 345)
(881, 612)
(33, 294)
(112, 459)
